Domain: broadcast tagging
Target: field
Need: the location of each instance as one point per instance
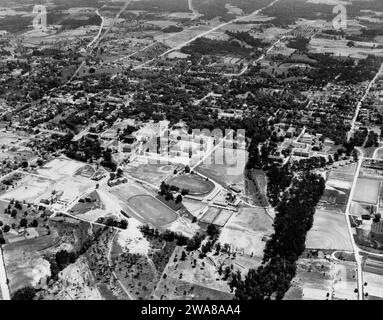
(60, 174)
(194, 206)
(152, 210)
(24, 261)
(151, 173)
(194, 183)
(374, 286)
(367, 191)
(216, 216)
(246, 230)
(321, 279)
(340, 48)
(9, 139)
(30, 188)
(338, 186)
(94, 202)
(329, 231)
(226, 166)
(185, 281)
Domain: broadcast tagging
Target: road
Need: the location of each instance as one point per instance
(180, 46)
(99, 37)
(356, 249)
(360, 103)
(263, 56)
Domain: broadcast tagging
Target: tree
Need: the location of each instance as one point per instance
(183, 256)
(213, 231)
(179, 199)
(123, 224)
(377, 217)
(227, 273)
(23, 223)
(187, 169)
(34, 223)
(6, 228)
(13, 213)
(26, 293)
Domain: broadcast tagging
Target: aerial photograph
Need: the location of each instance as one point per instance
(180, 150)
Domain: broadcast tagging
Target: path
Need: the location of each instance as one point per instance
(356, 249)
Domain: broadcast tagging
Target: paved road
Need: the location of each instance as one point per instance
(359, 105)
(356, 249)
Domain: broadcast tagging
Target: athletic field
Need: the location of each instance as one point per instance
(194, 183)
(152, 210)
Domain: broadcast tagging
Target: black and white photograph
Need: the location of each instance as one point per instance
(201, 152)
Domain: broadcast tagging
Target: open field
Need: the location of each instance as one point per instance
(9, 139)
(186, 281)
(194, 206)
(152, 210)
(194, 183)
(340, 48)
(90, 202)
(246, 230)
(30, 188)
(329, 231)
(24, 261)
(374, 286)
(367, 191)
(321, 279)
(152, 173)
(225, 166)
(58, 175)
(216, 216)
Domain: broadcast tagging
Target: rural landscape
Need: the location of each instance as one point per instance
(191, 150)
